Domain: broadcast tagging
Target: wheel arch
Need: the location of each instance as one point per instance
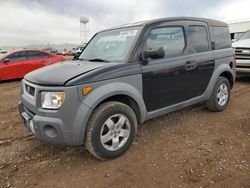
(128, 100)
(228, 75)
(118, 91)
(115, 91)
(222, 70)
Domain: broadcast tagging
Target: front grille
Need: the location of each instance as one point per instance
(242, 53)
(30, 90)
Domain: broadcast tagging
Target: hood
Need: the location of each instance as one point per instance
(58, 74)
(242, 43)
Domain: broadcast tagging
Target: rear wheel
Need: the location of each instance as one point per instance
(220, 96)
(111, 130)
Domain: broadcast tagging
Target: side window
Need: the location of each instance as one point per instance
(199, 38)
(17, 56)
(221, 37)
(170, 38)
(36, 54)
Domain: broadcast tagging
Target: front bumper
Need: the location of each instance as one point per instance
(45, 128)
(63, 126)
(243, 66)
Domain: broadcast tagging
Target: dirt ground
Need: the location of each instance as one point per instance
(189, 148)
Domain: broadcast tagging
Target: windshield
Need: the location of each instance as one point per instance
(246, 35)
(113, 45)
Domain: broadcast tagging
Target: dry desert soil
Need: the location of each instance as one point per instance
(188, 148)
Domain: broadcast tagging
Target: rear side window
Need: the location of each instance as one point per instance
(199, 38)
(17, 56)
(221, 37)
(171, 39)
(36, 54)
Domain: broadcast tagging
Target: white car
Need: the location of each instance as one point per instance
(79, 49)
(242, 53)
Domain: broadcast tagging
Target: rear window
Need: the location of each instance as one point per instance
(221, 37)
(199, 38)
(36, 54)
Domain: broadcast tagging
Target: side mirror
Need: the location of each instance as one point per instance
(6, 60)
(153, 54)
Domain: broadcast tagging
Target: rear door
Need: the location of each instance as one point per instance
(36, 59)
(201, 50)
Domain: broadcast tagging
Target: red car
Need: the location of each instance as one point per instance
(16, 64)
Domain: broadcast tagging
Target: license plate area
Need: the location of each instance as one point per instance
(28, 122)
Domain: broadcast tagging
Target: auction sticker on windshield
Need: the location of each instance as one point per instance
(128, 33)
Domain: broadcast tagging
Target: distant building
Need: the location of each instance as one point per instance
(237, 29)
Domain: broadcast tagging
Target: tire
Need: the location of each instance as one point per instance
(216, 102)
(106, 138)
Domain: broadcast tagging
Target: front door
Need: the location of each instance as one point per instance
(15, 67)
(181, 75)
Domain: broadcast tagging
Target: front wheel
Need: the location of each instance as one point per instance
(220, 96)
(111, 130)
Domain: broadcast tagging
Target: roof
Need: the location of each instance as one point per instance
(210, 22)
(27, 49)
(23, 50)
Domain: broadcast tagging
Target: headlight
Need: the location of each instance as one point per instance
(52, 100)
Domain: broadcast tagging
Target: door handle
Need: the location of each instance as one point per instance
(191, 65)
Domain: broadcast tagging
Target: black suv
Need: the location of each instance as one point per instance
(125, 76)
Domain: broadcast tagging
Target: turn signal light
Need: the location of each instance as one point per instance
(86, 90)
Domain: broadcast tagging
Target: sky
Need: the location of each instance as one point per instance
(24, 22)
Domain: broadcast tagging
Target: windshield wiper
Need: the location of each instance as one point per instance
(81, 59)
(99, 60)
